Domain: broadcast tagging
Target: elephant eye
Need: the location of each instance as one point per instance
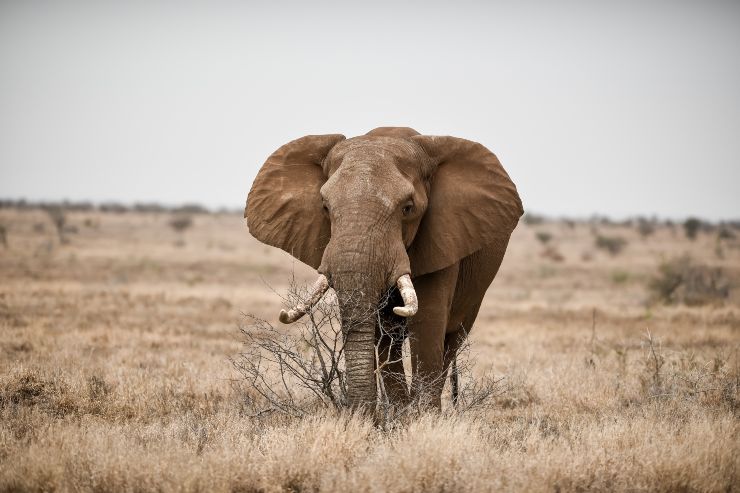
(407, 209)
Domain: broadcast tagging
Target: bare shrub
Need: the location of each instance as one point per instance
(532, 219)
(469, 395)
(612, 244)
(59, 220)
(32, 389)
(680, 374)
(601, 220)
(181, 222)
(569, 223)
(517, 392)
(645, 227)
(691, 227)
(725, 233)
(544, 237)
(113, 207)
(552, 253)
(91, 223)
(298, 371)
(681, 280)
(654, 362)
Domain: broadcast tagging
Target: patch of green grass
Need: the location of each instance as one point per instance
(620, 276)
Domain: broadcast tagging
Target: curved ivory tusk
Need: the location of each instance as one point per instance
(317, 291)
(408, 293)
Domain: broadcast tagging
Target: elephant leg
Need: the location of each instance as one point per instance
(453, 342)
(476, 273)
(427, 334)
(390, 332)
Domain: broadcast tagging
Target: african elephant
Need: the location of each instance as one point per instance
(426, 217)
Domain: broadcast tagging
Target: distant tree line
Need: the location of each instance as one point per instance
(645, 225)
(114, 207)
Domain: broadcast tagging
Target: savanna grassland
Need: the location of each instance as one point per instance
(115, 371)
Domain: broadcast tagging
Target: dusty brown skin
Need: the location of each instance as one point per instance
(367, 210)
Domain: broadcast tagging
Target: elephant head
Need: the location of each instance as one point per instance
(373, 212)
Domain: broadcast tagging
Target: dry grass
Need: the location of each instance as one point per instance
(114, 370)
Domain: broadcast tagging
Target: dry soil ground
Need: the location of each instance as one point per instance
(114, 370)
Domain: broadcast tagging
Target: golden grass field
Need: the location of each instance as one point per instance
(115, 371)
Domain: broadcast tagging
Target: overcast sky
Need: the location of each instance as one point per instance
(618, 108)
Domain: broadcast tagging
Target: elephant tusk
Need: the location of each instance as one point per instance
(408, 293)
(317, 291)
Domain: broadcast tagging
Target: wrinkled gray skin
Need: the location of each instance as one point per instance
(378, 206)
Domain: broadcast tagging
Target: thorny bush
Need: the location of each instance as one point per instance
(682, 280)
(299, 369)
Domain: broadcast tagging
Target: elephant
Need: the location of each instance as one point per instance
(424, 218)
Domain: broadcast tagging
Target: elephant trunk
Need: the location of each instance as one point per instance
(361, 279)
(358, 305)
(359, 355)
(362, 267)
(359, 308)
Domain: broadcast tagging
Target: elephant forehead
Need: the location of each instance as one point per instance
(367, 181)
(374, 152)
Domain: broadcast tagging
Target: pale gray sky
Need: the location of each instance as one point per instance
(616, 108)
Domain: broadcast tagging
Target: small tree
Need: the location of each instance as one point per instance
(691, 227)
(645, 227)
(58, 219)
(3, 236)
(612, 244)
(531, 219)
(682, 280)
(544, 237)
(181, 222)
(725, 233)
(294, 372)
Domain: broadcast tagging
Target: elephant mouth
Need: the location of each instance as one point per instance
(321, 285)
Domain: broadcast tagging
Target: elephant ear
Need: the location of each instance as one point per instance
(284, 207)
(472, 203)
